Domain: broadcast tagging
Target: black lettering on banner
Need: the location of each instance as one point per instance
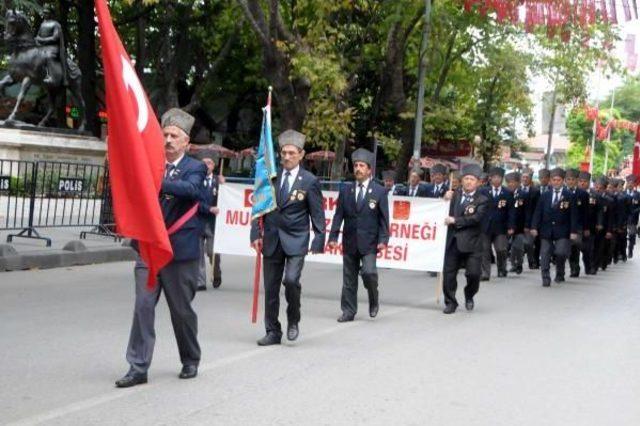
(70, 185)
(5, 182)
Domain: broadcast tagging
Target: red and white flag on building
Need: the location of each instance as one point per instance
(135, 150)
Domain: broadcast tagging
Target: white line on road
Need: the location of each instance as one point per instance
(115, 394)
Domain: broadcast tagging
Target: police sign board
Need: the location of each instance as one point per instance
(5, 183)
(70, 185)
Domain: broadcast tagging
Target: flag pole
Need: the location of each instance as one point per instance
(440, 278)
(258, 264)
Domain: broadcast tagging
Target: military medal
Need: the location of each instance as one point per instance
(300, 196)
(292, 197)
(372, 204)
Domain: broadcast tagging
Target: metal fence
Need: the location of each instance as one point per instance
(46, 194)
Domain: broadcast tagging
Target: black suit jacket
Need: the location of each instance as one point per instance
(288, 225)
(365, 225)
(209, 199)
(466, 232)
(559, 221)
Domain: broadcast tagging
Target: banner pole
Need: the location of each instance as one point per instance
(256, 279)
(213, 252)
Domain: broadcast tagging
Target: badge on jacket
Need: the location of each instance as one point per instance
(564, 205)
(502, 203)
(298, 194)
(470, 209)
(372, 204)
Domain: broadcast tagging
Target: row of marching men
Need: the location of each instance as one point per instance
(565, 216)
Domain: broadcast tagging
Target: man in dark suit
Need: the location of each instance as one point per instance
(498, 224)
(624, 207)
(581, 200)
(605, 224)
(437, 187)
(388, 177)
(589, 226)
(520, 207)
(181, 190)
(634, 211)
(531, 244)
(544, 176)
(208, 210)
(467, 211)
(555, 220)
(414, 187)
(364, 208)
(284, 240)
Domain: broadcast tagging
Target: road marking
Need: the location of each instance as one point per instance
(115, 393)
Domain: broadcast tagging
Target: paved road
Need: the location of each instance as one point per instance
(565, 355)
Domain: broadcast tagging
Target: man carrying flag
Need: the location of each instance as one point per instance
(166, 231)
(284, 238)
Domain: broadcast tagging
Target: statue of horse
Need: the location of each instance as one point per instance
(29, 63)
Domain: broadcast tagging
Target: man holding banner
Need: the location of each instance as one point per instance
(364, 208)
(284, 239)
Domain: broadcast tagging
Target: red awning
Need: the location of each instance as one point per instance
(321, 155)
(219, 150)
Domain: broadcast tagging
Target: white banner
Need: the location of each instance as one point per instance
(417, 231)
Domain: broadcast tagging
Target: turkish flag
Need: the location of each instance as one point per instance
(135, 150)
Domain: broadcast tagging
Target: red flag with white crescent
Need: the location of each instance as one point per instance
(135, 151)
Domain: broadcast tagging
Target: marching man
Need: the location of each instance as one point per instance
(284, 241)
(364, 208)
(468, 209)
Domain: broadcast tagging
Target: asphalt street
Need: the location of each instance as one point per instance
(527, 355)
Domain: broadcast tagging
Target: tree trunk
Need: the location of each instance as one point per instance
(87, 63)
(141, 42)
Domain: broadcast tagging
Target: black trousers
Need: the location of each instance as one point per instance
(352, 266)
(601, 250)
(621, 244)
(454, 260)
(534, 260)
(631, 232)
(574, 257)
(178, 280)
(588, 248)
(280, 268)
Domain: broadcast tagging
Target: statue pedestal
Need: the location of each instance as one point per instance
(49, 145)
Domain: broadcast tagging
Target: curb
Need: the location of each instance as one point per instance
(74, 255)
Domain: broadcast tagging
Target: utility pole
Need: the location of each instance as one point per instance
(551, 123)
(422, 71)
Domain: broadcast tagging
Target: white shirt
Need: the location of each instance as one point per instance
(292, 177)
(175, 165)
(365, 185)
(208, 181)
(467, 196)
(413, 190)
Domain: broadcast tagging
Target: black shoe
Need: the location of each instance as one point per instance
(201, 288)
(546, 282)
(270, 339)
(469, 305)
(217, 282)
(374, 306)
(345, 318)
(292, 332)
(574, 274)
(449, 309)
(559, 279)
(188, 371)
(502, 274)
(484, 278)
(513, 269)
(535, 266)
(131, 379)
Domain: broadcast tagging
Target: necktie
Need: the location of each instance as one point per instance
(495, 193)
(284, 188)
(360, 195)
(436, 190)
(413, 192)
(168, 169)
(208, 182)
(556, 197)
(465, 199)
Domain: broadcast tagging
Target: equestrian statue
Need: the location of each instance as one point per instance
(42, 61)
